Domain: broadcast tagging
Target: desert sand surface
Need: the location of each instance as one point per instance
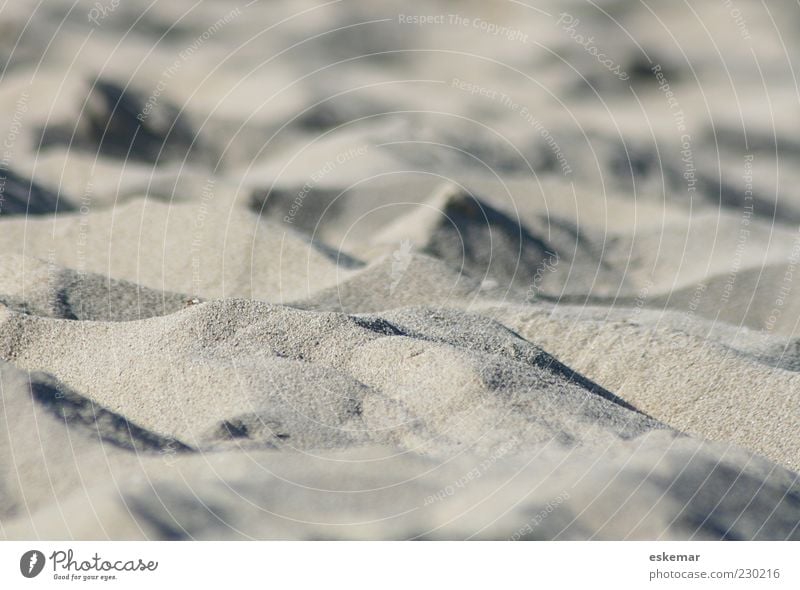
(399, 270)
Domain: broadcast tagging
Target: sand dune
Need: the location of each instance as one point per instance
(404, 278)
(317, 388)
(182, 248)
(309, 271)
(39, 287)
(77, 484)
(716, 391)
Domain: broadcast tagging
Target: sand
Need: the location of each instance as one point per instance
(291, 271)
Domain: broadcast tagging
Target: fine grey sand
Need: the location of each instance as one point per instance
(324, 271)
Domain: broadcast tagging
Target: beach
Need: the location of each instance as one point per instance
(422, 270)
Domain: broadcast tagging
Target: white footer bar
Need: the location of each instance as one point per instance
(386, 566)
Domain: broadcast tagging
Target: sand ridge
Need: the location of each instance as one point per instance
(303, 271)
